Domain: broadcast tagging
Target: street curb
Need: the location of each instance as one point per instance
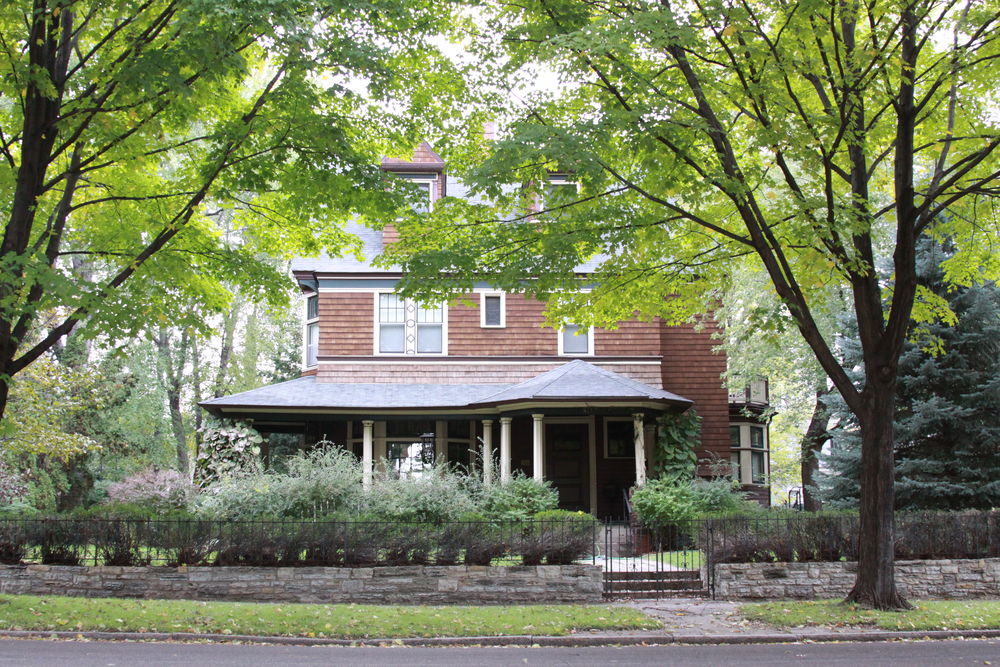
(517, 640)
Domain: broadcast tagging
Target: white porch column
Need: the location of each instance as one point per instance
(366, 454)
(488, 452)
(537, 447)
(504, 450)
(640, 449)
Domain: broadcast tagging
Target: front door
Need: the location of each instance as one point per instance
(567, 464)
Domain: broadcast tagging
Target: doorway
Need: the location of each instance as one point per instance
(567, 463)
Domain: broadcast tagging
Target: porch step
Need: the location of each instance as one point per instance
(654, 584)
(652, 575)
(654, 595)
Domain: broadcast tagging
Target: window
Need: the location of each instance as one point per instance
(425, 182)
(311, 335)
(492, 308)
(409, 446)
(619, 438)
(576, 340)
(405, 327)
(461, 449)
(749, 453)
(391, 324)
(559, 191)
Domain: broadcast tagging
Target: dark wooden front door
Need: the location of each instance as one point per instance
(567, 464)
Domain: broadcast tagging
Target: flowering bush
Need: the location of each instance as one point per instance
(12, 485)
(162, 489)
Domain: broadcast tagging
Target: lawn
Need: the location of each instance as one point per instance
(928, 615)
(349, 621)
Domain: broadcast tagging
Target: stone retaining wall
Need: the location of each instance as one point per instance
(416, 584)
(969, 578)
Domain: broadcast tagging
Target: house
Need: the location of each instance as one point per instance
(485, 384)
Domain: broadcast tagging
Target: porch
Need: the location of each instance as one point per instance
(587, 430)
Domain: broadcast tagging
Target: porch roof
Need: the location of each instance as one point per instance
(573, 383)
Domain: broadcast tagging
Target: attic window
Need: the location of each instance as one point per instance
(559, 191)
(425, 181)
(492, 310)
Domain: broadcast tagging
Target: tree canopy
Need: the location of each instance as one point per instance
(818, 137)
(127, 127)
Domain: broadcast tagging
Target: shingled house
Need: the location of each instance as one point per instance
(490, 385)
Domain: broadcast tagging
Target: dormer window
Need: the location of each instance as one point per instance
(559, 191)
(311, 334)
(427, 182)
(575, 340)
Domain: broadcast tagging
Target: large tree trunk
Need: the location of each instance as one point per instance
(875, 585)
(809, 450)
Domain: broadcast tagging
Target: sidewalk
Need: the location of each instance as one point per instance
(685, 621)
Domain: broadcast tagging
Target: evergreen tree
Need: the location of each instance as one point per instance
(947, 425)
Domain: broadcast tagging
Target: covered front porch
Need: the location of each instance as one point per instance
(587, 430)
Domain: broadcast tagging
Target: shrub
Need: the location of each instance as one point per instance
(662, 501)
(13, 541)
(317, 483)
(228, 448)
(12, 486)
(518, 499)
(561, 537)
(158, 489)
(438, 494)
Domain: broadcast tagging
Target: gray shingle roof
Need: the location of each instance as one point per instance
(581, 380)
(577, 380)
(306, 392)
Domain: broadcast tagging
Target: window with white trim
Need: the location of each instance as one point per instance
(311, 333)
(425, 182)
(492, 310)
(404, 326)
(575, 340)
(749, 453)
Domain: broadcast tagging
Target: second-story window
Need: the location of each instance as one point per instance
(312, 330)
(406, 327)
(491, 308)
(576, 340)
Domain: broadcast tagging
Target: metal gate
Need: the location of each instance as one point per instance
(642, 563)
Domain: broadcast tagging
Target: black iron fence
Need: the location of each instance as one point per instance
(294, 543)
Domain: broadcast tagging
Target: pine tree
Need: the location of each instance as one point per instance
(947, 422)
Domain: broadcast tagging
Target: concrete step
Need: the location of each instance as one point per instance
(652, 575)
(692, 585)
(654, 595)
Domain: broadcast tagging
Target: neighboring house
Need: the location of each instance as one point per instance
(489, 385)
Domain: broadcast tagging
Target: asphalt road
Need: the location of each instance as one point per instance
(148, 654)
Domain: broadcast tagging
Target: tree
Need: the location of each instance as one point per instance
(946, 422)
(127, 126)
(815, 136)
(760, 341)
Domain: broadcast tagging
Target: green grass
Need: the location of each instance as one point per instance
(688, 559)
(928, 615)
(349, 621)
